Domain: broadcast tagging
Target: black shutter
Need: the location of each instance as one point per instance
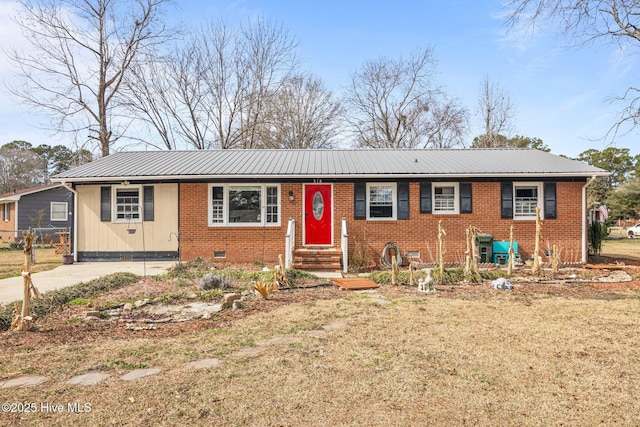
(465, 197)
(550, 211)
(148, 203)
(359, 200)
(105, 203)
(425, 197)
(403, 200)
(506, 195)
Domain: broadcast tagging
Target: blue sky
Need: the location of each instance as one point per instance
(560, 92)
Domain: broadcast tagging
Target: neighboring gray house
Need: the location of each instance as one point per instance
(47, 206)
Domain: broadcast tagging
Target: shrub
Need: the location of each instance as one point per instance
(213, 281)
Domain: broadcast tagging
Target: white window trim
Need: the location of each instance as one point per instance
(225, 206)
(6, 212)
(456, 198)
(114, 205)
(394, 200)
(540, 203)
(66, 211)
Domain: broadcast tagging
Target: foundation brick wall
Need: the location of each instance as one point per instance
(419, 233)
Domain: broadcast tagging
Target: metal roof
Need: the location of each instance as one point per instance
(309, 164)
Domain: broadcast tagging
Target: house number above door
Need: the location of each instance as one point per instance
(318, 206)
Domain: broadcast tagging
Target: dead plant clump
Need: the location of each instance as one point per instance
(543, 354)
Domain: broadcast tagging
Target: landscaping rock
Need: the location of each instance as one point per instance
(238, 304)
(127, 307)
(228, 299)
(92, 313)
(141, 303)
(213, 281)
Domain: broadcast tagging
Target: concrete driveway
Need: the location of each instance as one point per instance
(71, 274)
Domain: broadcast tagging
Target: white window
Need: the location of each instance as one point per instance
(445, 198)
(6, 212)
(244, 204)
(59, 211)
(126, 204)
(527, 196)
(381, 200)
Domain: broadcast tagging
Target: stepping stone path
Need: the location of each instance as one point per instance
(23, 381)
(94, 378)
(375, 296)
(139, 373)
(90, 378)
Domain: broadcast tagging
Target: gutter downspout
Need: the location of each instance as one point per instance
(584, 218)
(75, 220)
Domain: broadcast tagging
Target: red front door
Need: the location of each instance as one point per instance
(318, 214)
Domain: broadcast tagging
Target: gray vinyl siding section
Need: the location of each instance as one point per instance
(30, 204)
(339, 164)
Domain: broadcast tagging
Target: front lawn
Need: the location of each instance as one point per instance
(546, 353)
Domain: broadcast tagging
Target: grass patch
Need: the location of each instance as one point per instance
(481, 359)
(452, 276)
(11, 260)
(625, 248)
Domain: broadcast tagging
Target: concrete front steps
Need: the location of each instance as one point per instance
(317, 259)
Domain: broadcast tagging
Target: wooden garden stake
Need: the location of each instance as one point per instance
(511, 254)
(281, 273)
(22, 322)
(536, 250)
(441, 234)
(412, 279)
(555, 259)
(394, 271)
(467, 258)
(471, 270)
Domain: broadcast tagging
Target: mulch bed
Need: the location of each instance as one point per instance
(63, 327)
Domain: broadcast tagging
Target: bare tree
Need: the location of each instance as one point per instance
(20, 168)
(497, 112)
(301, 114)
(448, 124)
(267, 52)
(211, 92)
(81, 50)
(392, 103)
(584, 22)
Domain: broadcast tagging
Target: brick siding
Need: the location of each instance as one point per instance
(419, 233)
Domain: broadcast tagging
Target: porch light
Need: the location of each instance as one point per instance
(291, 196)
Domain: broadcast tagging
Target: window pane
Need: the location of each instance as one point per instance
(58, 211)
(127, 204)
(380, 201)
(272, 205)
(526, 201)
(444, 199)
(217, 204)
(244, 204)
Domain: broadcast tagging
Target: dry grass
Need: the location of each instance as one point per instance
(469, 355)
(627, 248)
(12, 259)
